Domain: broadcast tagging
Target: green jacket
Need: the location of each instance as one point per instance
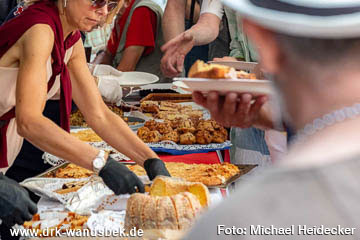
(240, 46)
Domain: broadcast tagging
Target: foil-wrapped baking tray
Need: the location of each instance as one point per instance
(47, 187)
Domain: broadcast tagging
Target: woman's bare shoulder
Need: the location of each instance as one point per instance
(40, 34)
(37, 41)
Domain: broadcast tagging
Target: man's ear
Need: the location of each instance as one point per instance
(266, 44)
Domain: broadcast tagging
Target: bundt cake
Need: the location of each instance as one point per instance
(165, 217)
(169, 210)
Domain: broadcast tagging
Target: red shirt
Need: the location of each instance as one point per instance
(141, 31)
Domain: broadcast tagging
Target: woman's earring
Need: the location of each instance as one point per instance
(65, 3)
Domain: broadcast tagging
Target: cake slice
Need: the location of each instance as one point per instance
(217, 71)
(149, 106)
(166, 216)
(134, 210)
(149, 211)
(245, 75)
(203, 70)
(184, 211)
(167, 186)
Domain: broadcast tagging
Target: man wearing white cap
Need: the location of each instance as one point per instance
(312, 49)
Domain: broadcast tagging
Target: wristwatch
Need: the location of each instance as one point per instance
(99, 162)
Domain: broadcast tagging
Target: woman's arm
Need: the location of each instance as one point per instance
(173, 19)
(31, 94)
(128, 61)
(104, 57)
(175, 50)
(107, 124)
(130, 58)
(206, 29)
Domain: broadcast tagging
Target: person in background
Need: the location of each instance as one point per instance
(136, 38)
(211, 25)
(273, 141)
(249, 146)
(192, 14)
(241, 49)
(314, 66)
(220, 46)
(96, 40)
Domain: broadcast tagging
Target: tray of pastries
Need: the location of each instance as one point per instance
(168, 97)
(169, 110)
(77, 118)
(70, 187)
(184, 136)
(212, 175)
(86, 135)
(176, 136)
(66, 170)
(184, 132)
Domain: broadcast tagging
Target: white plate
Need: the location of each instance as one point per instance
(181, 85)
(238, 65)
(223, 86)
(136, 79)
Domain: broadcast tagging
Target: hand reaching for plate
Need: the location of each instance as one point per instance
(172, 63)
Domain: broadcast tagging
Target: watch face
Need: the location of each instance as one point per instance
(98, 163)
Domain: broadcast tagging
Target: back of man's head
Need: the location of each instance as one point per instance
(312, 49)
(322, 32)
(316, 54)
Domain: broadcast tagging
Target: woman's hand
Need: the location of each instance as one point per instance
(120, 179)
(155, 167)
(110, 88)
(16, 207)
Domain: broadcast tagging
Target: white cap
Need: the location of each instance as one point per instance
(334, 19)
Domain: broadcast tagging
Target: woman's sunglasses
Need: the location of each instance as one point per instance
(111, 5)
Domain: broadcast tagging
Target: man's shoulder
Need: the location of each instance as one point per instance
(270, 196)
(278, 197)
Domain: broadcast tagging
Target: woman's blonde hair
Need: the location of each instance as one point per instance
(109, 18)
